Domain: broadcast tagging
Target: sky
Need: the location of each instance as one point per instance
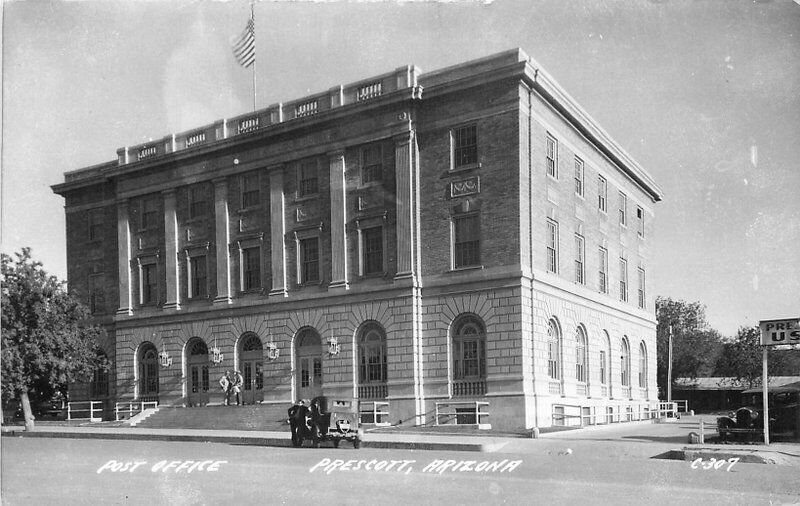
(704, 94)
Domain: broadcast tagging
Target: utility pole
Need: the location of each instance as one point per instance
(669, 367)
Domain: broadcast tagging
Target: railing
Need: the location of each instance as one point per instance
(581, 389)
(626, 392)
(682, 406)
(369, 91)
(147, 152)
(373, 391)
(374, 413)
(306, 109)
(132, 408)
(77, 410)
(195, 139)
(554, 387)
(462, 413)
(468, 388)
(576, 415)
(247, 125)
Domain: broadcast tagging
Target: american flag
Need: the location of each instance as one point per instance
(244, 48)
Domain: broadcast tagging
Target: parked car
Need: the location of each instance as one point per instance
(747, 422)
(317, 423)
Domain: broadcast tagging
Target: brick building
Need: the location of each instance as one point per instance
(468, 234)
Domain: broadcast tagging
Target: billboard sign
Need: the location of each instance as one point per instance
(780, 332)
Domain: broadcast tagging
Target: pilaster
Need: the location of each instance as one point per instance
(338, 221)
(124, 258)
(222, 238)
(171, 249)
(277, 208)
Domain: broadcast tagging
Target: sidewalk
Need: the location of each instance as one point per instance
(629, 440)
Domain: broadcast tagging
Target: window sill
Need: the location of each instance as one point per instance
(303, 198)
(247, 210)
(370, 184)
(466, 268)
(464, 168)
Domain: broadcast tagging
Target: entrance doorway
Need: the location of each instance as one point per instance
(148, 373)
(197, 369)
(251, 364)
(308, 368)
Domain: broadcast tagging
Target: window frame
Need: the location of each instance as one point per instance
(371, 168)
(95, 221)
(553, 351)
(640, 218)
(641, 290)
(248, 190)
(370, 266)
(602, 193)
(551, 244)
(304, 265)
(580, 182)
(581, 356)
(580, 259)
(466, 253)
(623, 279)
(625, 362)
(244, 272)
(197, 202)
(642, 365)
(463, 154)
(197, 287)
(623, 209)
(305, 188)
(602, 270)
(462, 336)
(551, 155)
(366, 347)
(153, 288)
(148, 218)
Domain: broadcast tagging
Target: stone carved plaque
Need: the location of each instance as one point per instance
(468, 186)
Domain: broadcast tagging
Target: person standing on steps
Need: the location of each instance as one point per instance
(225, 383)
(236, 385)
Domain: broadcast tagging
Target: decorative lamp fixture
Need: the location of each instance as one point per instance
(216, 355)
(333, 346)
(166, 360)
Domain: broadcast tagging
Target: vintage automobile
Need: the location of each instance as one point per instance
(747, 423)
(318, 423)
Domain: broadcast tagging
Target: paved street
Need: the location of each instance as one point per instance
(79, 471)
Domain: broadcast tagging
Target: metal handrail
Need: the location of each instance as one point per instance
(133, 407)
(92, 408)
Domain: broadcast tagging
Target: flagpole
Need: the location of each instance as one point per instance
(253, 18)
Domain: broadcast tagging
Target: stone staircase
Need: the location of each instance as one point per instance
(263, 417)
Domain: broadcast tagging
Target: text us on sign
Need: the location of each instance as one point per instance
(777, 332)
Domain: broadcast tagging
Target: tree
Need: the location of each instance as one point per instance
(742, 359)
(695, 346)
(46, 342)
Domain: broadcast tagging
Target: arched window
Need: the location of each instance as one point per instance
(148, 372)
(252, 343)
(99, 387)
(580, 356)
(625, 362)
(198, 347)
(372, 355)
(469, 349)
(642, 365)
(308, 337)
(553, 351)
(605, 363)
(197, 364)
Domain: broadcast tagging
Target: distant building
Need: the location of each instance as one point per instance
(468, 234)
(718, 393)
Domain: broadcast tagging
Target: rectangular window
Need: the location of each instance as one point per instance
(603, 372)
(95, 218)
(641, 288)
(466, 241)
(309, 260)
(251, 269)
(96, 297)
(198, 205)
(623, 209)
(579, 176)
(149, 288)
(465, 146)
(552, 246)
(149, 213)
(580, 264)
(469, 359)
(623, 280)
(552, 156)
(552, 359)
(307, 182)
(371, 166)
(251, 191)
(602, 281)
(640, 219)
(580, 364)
(372, 249)
(602, 194)
(197, 277)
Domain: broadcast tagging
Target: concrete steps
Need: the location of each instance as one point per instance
(262, 417)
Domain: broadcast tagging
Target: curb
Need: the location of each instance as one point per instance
(249, 440)
(744, 456)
